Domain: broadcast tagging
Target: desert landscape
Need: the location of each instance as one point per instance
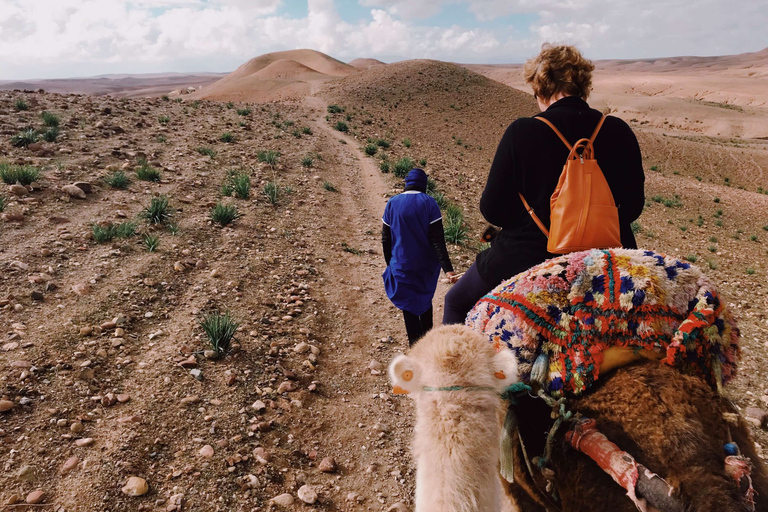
(132, 213)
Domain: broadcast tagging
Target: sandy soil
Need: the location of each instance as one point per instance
(302, 277)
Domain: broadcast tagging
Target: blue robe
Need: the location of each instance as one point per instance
(411, 277)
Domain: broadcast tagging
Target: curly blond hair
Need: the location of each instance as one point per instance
(559, 69)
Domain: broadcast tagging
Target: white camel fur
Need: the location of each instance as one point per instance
(456, 438)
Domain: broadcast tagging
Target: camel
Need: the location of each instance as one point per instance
(666, 414)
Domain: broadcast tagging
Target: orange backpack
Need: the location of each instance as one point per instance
(583, 214)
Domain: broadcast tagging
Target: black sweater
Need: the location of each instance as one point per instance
(529, 159)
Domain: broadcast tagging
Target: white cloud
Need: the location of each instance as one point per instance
(48, 38)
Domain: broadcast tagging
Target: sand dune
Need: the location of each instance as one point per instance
(366, 63)
(276, 76)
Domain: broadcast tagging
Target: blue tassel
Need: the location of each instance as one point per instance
(731, 449)
(540, 369)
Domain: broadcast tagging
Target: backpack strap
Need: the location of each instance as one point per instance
(534, 216)
(565, 141)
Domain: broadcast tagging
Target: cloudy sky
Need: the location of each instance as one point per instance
(67, 38)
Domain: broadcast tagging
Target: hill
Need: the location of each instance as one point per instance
(278, 75)
(366, 63)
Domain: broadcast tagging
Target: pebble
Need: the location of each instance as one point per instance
(35, 497)
(18, 190)
(206, 451)
(286, 387)
(398, 507)
(262, 455)
(259, 406)
(135, 486)
(5, 405)
(307, 494)
(327, 465)
(84, 186)
(73, 191)
(86, 441)
(76, 427)
(191, 399)
(86, 331)
(301, 348)
(70, 464)
(283, 500)
(196, 373)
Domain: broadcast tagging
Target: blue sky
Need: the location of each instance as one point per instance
(64, 38)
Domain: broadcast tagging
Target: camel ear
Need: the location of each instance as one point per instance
(405, 375)
(504, 367)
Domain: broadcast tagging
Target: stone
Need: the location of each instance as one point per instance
(69, 465)
(18, 190)
(86, 441)
(73, 191)
(398, 507)
(5, 405)
(327, 465)
(86, 331)
(135, 486)
(196, 373)
(262, 455)
(37, 295)
(76, 427)
(191, 399)
(206, 451)
(84, 186)
(283, 500)
(13, 217)
(286, 387)
(259, 406)
(26, 473)
(307, 494)
(756, 416)
(35, 497)
(301, 348)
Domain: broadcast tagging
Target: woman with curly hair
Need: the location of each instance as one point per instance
(529, 161)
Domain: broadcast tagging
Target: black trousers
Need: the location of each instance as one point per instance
(417, 325)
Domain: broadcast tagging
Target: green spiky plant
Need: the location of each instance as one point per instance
(220, 329)
(50, 119)
(50, 134)
(159, 211)
(3, 203)
(341, 126)
(403, 166)
(269, 157)
(224, 214)
(24, 138)
(118, 180)
(20, 105)
(227, 138)
(21, 174)
(307, 161)
(207, 152)
(237, 183)
(146, 172)
(150, 242)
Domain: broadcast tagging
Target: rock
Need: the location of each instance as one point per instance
(13, 217)
(398, 507)
(84, 186)
(259, 406)
(70, 464)
(35, 497)
(18, 190)
(190, 362)
(206, 451)
(283, 500)
(76, 427)
(37, 295)
(327, 465)
(80, 288)
(86, 441)
(191, 399)
(73, 191)
(135, 486)
(375, 367)
(286, 387)
(123, 398)
(301, 348)
(756, 416)
(26, 473)
(176, 502)
(86, 331)
(262, 455)
(196, 373)
(5, 405)
(307, 494)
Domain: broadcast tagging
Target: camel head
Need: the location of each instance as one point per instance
(451, 357)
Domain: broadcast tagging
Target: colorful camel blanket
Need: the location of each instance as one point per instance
(574, 307)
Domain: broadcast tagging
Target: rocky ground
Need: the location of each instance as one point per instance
(104, 382)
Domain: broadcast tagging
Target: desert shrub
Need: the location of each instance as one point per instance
(384, 166)
(307, 161)
(454, 227)
(636, 227)
(3, 203)
(382, 143)
(50, 134)
(164, 119)
(753, 238)
(159, 211)
(172, 227)
(151, 242)
(341, 126)
(656, 168)
(220, 330)
(717, 199)
(224, 214)
(269, 157)
(161, 138)
(403, 166)
(335, 109)
(712, 264)
(50, 119)
(21, 174)
(117, 179)
(244, 111)
(105, 233)
(207, 152)
(750, 271)
(274, 192)
(691, 257)
(346, 248)
(327, 185)
(24, 138)
(712, 248)
(230, 105)
(20, 105)
(371, 149)
(165, 97)
(306, 130)
(407, 143)
(423, 162)
(146, 172)
(440, 199)
(227, 137)
(238, 184)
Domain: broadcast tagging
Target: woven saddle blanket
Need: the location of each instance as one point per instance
(575, 307)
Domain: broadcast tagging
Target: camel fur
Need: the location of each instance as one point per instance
(456, 437)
